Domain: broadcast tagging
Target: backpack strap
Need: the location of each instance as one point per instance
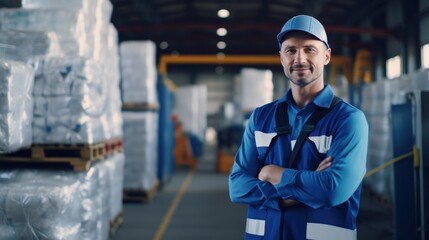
(308, 127)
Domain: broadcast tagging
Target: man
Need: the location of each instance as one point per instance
(316, 195)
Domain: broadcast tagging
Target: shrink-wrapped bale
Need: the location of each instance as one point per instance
(138, 71)
(70, 99)
(37, 206)
(115, 166)
(112, 117)
(256, 88)
(70, 25)
(140, 144)
(191, 108)
(97, 14)
(16, 105)
(376, 104)
(29, 46)
(42, 204)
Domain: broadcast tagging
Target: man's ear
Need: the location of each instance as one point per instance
(327, 56)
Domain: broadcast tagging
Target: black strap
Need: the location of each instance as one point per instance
(282, 119)
(308, 127)
(282, 125)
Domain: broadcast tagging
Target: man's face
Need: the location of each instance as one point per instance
(303, 58)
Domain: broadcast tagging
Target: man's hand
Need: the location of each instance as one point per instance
(271, 173)
(323, 165)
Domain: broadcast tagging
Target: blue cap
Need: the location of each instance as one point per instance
(306, 24)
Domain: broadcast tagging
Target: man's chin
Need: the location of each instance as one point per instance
(300, 83)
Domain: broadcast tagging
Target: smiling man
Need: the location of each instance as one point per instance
(303, 157)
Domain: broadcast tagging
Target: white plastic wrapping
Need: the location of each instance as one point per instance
(191, 107)
(140, 148)
(256, 88)
(59, 205)
(39, 206)
(28, 46)
(115, 166)
(70, 98)
(70, 25)
(16, 105)
(138, 71)
(377, 99)
(112, 117)
(97, 15)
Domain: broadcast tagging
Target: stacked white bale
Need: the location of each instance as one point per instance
(420, 80)
(377, 100)
(256, 88)
(138, 71)
(33, 206)
(69, 100)
(36, 204)
(115, 165)
(140, 144)
(68, 24)
(16, 105)
(341, 88)
(96, 17)
(112, 117)
(191, 109)
(28, 46)
(85, 35)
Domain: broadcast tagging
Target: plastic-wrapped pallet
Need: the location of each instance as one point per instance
(97, 13)
(138, 71)
(16, 105)
(377, 100)
(33, 206)
(420, 80)
(112, 117)
(70, 25)
(42, 204)
(191, 108)
(115, 166)
(140, 144)
(70, 97)
(256, 88)
(28, 46)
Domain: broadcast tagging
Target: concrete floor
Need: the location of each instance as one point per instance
(205, 212)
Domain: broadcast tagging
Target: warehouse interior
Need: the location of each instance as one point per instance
(120, 119)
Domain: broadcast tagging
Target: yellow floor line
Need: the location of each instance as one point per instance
(166, 220)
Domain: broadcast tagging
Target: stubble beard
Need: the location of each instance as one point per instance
(302, 81)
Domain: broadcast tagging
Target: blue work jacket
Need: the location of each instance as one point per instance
(329, 200)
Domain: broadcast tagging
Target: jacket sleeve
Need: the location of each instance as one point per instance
(244, 185)
(336, 184)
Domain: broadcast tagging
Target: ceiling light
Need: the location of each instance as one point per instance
(220, 55)
(219, 70)
(221, 32)
(163, 45)
(221, 45)
(223, 13)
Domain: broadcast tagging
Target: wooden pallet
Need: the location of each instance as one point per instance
(140, 106)
(79, 156)
(140, 196)
(116, 223)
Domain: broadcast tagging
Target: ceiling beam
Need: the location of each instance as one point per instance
(377, 32)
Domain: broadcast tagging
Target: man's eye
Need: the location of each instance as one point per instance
(310, 50)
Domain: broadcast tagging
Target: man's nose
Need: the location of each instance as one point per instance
(300, 56)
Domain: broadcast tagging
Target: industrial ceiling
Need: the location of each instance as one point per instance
(189, 26)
